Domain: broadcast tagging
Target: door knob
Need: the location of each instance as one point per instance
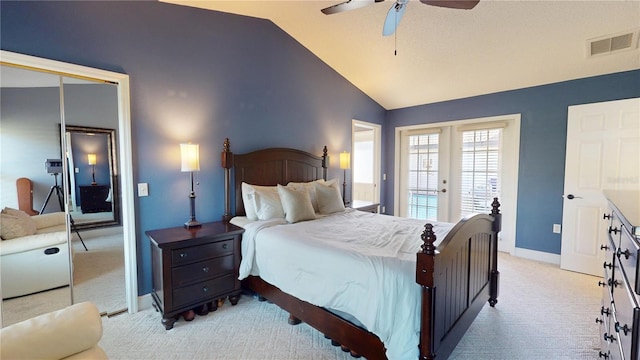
(571, 197)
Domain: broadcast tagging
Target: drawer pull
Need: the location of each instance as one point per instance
(603, 355)
(183, 255)
(604, 247)
(609, 265)
(613, 230)
(205, 289)
(225, 246)
(606, 216)
(599, 321)
(604, 311)
(626, 253)
(609, 338)
(613, 283)
(205, 269)
(625, 329)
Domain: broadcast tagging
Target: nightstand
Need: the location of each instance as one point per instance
(367, 206)
(194, 268)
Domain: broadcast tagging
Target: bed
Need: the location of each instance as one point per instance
(453, 272)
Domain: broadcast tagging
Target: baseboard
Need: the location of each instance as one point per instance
(537, 256)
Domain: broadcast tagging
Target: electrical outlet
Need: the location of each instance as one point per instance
(143, 189)
(557, 228)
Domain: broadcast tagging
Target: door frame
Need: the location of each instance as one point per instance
(377, 151)
(510, 165)
(121, 81)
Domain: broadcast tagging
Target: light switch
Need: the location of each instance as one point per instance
(143, 189)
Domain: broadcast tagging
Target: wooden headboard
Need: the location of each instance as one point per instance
(269, 167)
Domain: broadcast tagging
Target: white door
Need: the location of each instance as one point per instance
(603, 152)
(366, 161)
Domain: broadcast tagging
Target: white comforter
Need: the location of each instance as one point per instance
(354, 262)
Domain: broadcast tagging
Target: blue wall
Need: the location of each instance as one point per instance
(543, 132)
(201, 76)
(196, 76)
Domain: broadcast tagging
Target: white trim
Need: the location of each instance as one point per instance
(377, 131)
(537, 256)
(126, 167)
(511, 140)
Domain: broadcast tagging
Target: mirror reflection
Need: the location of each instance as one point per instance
(48, 167)
(92, 182)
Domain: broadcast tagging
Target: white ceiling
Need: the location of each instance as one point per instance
(445, 54)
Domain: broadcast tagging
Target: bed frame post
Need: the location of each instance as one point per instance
(227, 164)
(425, 265)
(495, 274)
(324, 163)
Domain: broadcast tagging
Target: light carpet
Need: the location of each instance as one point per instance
(542, 313)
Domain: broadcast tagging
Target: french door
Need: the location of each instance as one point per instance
(447, 171)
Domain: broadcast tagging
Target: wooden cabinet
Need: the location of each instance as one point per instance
(619, 316)
(365, 206)
(93, 199)
(194, 268)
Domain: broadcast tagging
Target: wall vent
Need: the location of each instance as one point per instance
(612, 43)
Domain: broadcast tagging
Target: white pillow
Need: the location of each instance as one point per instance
(329, 198)
(308, 187)
(267, 202)
(296, 204)
(247, 199)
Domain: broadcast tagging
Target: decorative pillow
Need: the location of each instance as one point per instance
(247, 199)
(267, 202)
(308, 187)
(296, 204)
(329, 198)
(12, 227)
(20, 219)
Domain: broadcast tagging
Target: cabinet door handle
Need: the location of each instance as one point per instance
(609, 265)
(624, 328)
(604, 247)
(609, 338)
(606, 216)
(626, 253)
(613, 230)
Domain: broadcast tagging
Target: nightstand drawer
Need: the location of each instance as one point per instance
(202, 252)
(206, 289)
(188, 274)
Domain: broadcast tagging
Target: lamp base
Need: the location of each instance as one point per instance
(192, 224)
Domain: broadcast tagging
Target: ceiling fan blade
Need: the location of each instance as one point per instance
(393, 18)
(348, 5)
(453, 4)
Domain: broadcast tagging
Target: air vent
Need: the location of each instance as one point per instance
(612, 43)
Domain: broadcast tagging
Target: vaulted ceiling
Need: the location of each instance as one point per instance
(440, 54)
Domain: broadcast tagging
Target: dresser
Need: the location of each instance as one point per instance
(619, 316)
(193, 268)
(93, 199)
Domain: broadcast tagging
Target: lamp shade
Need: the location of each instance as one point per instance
(345, 160)
(91, 158)
(190, 157)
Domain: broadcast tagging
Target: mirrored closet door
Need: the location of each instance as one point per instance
(61, 136)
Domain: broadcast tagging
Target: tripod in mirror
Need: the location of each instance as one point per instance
(58, 191)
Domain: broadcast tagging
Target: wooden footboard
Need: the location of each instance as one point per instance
(456, 277)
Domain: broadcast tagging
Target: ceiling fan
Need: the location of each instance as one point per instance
(397, 10)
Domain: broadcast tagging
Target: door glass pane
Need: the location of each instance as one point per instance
(422, 194)
(480, 169)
